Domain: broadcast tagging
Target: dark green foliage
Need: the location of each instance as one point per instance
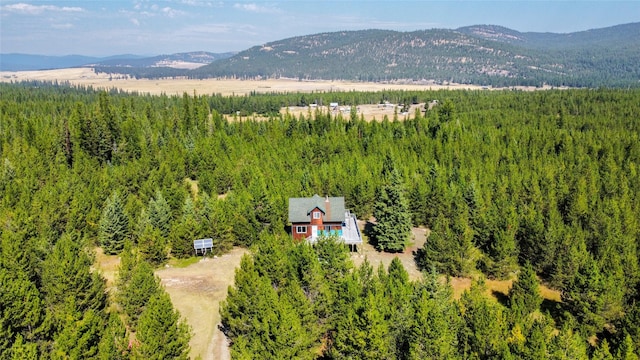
(160, 332)
(436, 321)
(393, 220)
(484, 329)
(134, 294)
(20, 311)
(159, 214)
(67, 282)
(113, 344)
(548, 178)
(593, 298)
(75, 300)
(448, 251)
(114, 225)
(276, 327)
(627, 350)
(153, 246)
(524, 295)
(568, 345)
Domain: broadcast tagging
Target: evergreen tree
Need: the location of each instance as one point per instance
(483, 334)
(153, 246)
(159, 213)
(69, 286)
(134, 295)
(434, 331)
(392, 230)
(627, 350)
(21, 350)
(448, 250)
(602, 352)
(114, 225)
(20, 310)
(160, 331)
(113, 344)
(524, 295)
(568, 345)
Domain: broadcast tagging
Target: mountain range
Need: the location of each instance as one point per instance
(481, 54)
(189, 60)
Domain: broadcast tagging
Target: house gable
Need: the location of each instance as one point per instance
(331, 208)
(313, 217)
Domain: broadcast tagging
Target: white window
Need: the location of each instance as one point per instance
(316, 214)
(301, 229)
(327, 229)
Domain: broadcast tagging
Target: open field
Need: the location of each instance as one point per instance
(87, 77)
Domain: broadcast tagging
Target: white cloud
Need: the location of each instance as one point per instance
(62, 26)
(195, 3)
(171, 12)
(135, 21)
(28, 9)
(253, 7)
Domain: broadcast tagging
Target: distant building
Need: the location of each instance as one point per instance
(316, 216)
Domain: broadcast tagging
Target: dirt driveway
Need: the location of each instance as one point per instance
(196, 292)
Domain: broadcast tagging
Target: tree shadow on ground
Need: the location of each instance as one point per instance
(501, 297)
(418, 256)
(368, 232)
(554, 308)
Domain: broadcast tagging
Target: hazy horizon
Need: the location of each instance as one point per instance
(148, 28)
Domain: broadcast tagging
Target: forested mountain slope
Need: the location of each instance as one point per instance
(485, 55)
(542, 186)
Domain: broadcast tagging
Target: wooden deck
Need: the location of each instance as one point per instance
(349, 234)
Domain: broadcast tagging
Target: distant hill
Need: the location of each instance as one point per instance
(190, 60)
(487, 55)
(22, 62)
(480, 54)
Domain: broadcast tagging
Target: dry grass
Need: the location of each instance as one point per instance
(370, 112)
(495, 288)
(107, 265)
(87, 77)
(375, 258)
(196, 292)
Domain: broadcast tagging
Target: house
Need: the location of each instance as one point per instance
(316, 216)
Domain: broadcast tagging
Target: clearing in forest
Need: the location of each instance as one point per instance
(197, 290)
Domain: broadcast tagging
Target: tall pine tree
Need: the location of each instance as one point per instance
(393, 220)
(161, 332)
(114, 225)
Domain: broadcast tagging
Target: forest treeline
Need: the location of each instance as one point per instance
(509, 182)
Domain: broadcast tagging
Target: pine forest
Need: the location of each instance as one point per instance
(542, 187)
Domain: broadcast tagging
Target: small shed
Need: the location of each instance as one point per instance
(201, 246)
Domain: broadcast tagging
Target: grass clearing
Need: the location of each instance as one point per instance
(197, 286)
(183, 263)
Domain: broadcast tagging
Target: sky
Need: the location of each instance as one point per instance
(145, 27)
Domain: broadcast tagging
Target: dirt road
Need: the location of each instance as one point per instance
(196, 292)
